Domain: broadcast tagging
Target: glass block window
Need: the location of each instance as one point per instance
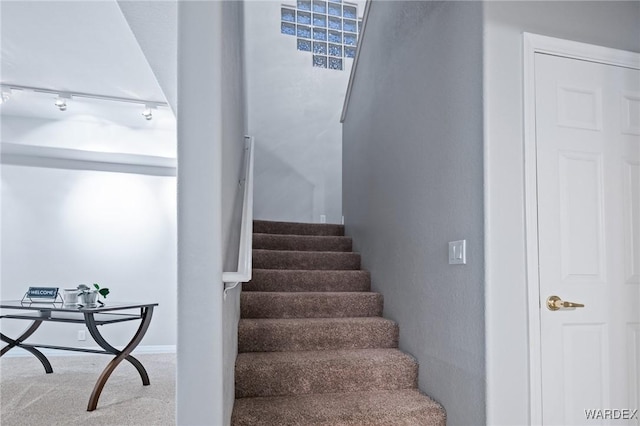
(304, 4)
(304, 45)
(304, 32)
(319, 61)
(319, 6)
(328, 29)
(288, 15)
(319, 20)
(335, 63)
(287, 28)
(304, 18)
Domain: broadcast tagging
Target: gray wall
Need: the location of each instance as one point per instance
(210, 152)
(608, 23)
(293, 112)
(413, 181)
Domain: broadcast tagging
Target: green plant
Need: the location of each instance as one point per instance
(103, 291)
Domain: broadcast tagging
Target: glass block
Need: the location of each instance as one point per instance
(320, 6)
(350, 26)
(335, 63)
(288, 15)
(304, 4)
(304, 32)
(319, 20)
(360, 25)
(335, 50)
(304, 18)
(304, 45)
(349, 12)
(320, 48)
(335, 23)
(335, 1)
(349, 52)
(319, 61)
(287, 28)
(335, 37)
(335, 9)
(320, 34)
(350, 39)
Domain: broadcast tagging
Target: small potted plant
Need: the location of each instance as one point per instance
(89, 296)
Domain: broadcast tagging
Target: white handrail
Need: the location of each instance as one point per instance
(354, 67)
(243, 274)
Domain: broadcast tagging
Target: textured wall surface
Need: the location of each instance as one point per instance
(608, 23)
(413, 181)
(293, 112)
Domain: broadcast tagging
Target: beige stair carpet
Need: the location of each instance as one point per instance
(313, 346)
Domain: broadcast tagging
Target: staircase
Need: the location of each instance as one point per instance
(313, 348)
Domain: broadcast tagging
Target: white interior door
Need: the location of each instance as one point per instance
(588, 175)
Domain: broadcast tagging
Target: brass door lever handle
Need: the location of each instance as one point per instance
(554, 303)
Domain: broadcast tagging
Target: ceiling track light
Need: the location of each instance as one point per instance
(61, 101)
(148, 113)
(5, 95)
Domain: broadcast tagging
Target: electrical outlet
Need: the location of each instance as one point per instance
(82, 335)
(323, 218)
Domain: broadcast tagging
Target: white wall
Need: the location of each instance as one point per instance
(607, 23)
(293, 112)
(413, 182)
(211, 129)
(64, 223)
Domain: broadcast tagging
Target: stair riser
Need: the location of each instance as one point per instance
(308, 281)
(286, 228)
(322, 377)
(301, 243)
(273, 259)
(265, 336)
(309, 305)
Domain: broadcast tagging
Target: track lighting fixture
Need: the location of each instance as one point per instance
(5, 95)
(147, 113)
(61, 102)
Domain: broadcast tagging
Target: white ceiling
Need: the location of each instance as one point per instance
(84, 46)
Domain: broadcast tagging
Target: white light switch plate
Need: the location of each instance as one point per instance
(458, 252)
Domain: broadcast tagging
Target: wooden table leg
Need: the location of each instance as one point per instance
(146, 314)
(12, 343)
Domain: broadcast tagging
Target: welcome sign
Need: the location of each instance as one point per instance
(42, 292)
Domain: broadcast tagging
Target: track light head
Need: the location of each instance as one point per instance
(148, 113)
(61, 102)
(5, 95)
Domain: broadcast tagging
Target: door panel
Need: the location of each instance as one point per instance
(587, 144)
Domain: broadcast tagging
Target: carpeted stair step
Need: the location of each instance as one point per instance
(302, 281)
(294, 228)
(316, 372)
(256, 304)
(405, 407)
(301, 242)
(312, 334)
(313, 260)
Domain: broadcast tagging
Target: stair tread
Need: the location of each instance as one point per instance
(309, 334)
(325, 371)
(262, 304)
(403, 407)
(304, 280)
(302, 242)
(305, 260)
(297, 228)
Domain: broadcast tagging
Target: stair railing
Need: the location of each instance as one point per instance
(243, 274)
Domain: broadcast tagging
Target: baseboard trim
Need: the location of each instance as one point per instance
(140, 350)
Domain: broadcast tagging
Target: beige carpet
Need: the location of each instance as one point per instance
(30, 397)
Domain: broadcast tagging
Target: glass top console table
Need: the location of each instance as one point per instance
(92, 317)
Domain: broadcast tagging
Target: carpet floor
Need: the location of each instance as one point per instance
(30, 397)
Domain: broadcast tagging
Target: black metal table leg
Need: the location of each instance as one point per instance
(12, 343)
(146, 313)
